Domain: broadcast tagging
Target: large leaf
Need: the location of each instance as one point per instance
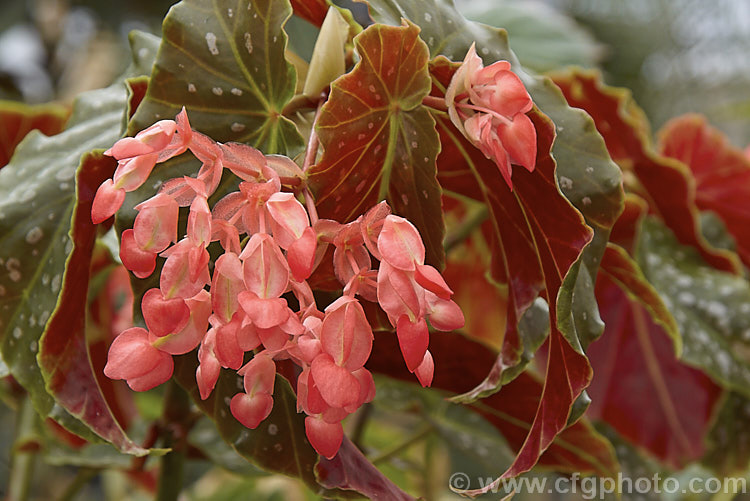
(722, 173)
(311, 10)
(588, 177)
(460, 364)
(543, 38)
(640, 388)
(224, 61)
(37, 201)
(711, 307)
(379, 140)
(63, 350)
(279, 443)
(666, 184)
(18, 119)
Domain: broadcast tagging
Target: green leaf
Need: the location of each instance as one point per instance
(587, 175)
(37, 200)
(224, 61)
(729, 439)
(543, 38)
(379, 141)
(711, 307)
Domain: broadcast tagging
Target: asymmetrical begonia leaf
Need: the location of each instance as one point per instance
(63, 354)
(701, 299)
(379, 140)
(588, 177)
(224, 61)
(37, 201)
(460, 364)
(641, 389)
(279, 443)
(18, 119)
(626, 132)
(722, 173)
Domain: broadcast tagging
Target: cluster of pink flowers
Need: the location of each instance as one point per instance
(242, 305)
(489, 105)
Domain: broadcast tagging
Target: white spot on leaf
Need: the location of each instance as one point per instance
(211, 42)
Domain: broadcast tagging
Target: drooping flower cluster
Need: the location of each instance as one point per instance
(270, 248)
(489, 105)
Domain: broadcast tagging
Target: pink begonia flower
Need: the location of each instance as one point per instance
(246, 306)
(134, 359)
(489, 105)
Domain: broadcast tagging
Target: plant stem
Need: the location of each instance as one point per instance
(475, 217)
(23, 457)
(360, 422)
(437, 103)
(177, 421)
(83, 477)
(395, 451)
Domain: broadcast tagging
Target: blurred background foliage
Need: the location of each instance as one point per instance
(675, 55)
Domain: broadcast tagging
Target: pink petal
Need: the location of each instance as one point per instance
(247, 336)
(244, 161)
(131, 355)
(208, 371)
(191, 335)
(519, 140)
(199, 222)
(413, 338)
(444, 314)
(226, 285)
(264, 313)
(227, 349)
(425, 370)
(336, 384)
(372, 223)
(349, 260)
(133, 172)
(301, 255)
(160, 374)
(346, 334)
(398, 293)
(259, 374)
(107, 201)
(431, 279)
(274, 339)
(251, 410)
(325, 437)
(289, 218)
(177, 278)
(265, 269)
(164, 316)
(400, 244)
(140, 262)
(155, 225)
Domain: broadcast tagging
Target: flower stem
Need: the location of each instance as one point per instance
(435, 102)
(177, 422)
(24, 456)
(398, 449)
(311, 154)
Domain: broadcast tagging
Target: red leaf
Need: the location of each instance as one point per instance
(380, 142)
(350, 469)
(536, 237)
(311, 10)
(722, 173)
(460, 364)
(63, 353)
(666, 184)
(641, 388)
(17, 120)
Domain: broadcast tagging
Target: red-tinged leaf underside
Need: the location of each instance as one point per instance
(63, 353)
(311, 10)
(722, 173)
(351, 470)
(536, 237)
(666, 184)
(640, 388)
(460, 364)
(17, 120)
(379, 141)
